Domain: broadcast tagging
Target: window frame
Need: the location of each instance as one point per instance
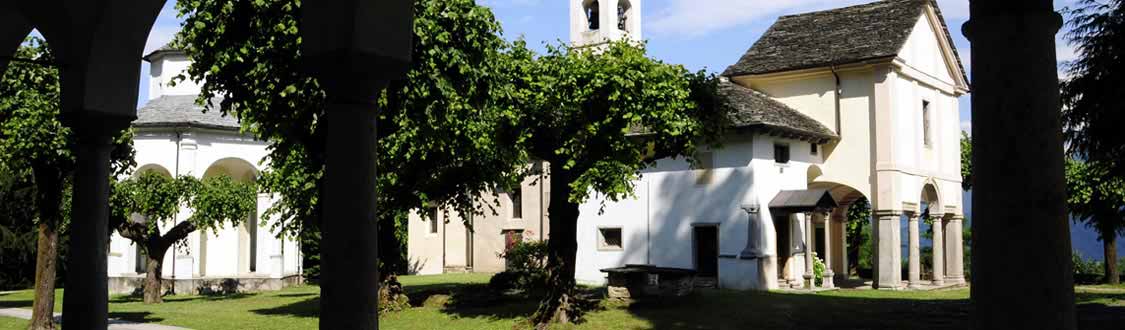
(431, 216)
(927, 125)
(777, 159)
(603, 243)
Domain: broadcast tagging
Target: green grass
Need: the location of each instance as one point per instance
(7, 323)
(461, 301)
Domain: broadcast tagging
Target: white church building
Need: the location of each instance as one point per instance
(174, 137)
(828, 107)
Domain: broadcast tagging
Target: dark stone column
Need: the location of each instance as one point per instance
(86, 296)
(1021, 274)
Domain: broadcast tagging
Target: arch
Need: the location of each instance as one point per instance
(236, 168)
(624, 13)
(151, 168)
(843, 194)
(240, 170)
(593, 17)
(931, 196)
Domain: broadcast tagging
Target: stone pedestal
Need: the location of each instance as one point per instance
(888, 260)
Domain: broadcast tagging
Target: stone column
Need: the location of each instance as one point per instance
(956, 271)
(1022, 238)
(810, 247)
(888, 259)
(828, 273)
(915, 262)
(353, 48)
(87, 291)
(939, 249)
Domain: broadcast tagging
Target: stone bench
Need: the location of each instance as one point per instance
(638, 281)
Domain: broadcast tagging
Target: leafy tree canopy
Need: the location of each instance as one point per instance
(440, 130)
(1091, 97)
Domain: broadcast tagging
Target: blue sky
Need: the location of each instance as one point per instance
(700, 34)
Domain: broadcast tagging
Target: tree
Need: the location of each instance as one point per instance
(440, 130)
(859, 234)
(599, 118)
(32, 137)
(142, 204)
(1092, 114)
(17, 229)
(966, 161)
(1098, 198)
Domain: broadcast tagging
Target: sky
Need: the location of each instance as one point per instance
(699, 34)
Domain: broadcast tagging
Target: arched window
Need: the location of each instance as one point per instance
(623, 15)
(592, 15)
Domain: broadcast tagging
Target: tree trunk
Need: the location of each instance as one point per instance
(559, 304)
(1109, 243)
(46, 261)
(1023, 239)
(154, 289)
(48, 184)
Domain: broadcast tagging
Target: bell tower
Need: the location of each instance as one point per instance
(596, 22)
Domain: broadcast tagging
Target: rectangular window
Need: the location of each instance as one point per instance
(813, 148)
(517, 203)
(927, 140)
(432, 217)
(511, 238)
(609, 239)
(781, 153)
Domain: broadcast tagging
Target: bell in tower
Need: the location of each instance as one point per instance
(592, 21)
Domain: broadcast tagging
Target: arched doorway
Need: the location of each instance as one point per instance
(850, 236)
(247, 258)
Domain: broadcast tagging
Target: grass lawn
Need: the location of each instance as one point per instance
(461, 301)
(12, 323)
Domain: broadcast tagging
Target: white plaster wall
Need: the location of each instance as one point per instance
(657, 225)
(163, 69)
(197, 150)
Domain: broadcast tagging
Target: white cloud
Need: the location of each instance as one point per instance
(967, 126)
(695, 18)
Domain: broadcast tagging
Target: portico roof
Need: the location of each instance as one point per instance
(754, 110)
(182, 111)
(803, 201)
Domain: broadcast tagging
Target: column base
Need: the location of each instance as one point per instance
(914, 285)
(828, 281)
(955, 279)
(938, 282)
(810, 282)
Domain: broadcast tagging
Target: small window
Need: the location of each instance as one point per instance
(432, 217)
(511, 238)
(517, 203)
(781, 153)
(814, 148)
(927, 140)
(609, 239)
(592, 15)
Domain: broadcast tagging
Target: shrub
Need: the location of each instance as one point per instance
(818, 270)
(527, 268)
(1086, 271)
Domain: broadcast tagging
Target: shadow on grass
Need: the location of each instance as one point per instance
(136, 317)
(170, 298)
(15, 303)
(304, 308)
(297, 295)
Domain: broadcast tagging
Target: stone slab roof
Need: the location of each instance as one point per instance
(752, 109)
(800, 201)
(182, 111)
(839, 36)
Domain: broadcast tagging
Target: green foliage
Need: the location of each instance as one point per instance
(17, 231)
(603, 116)
(858, 234)
(1096, 197)
(1091, 97)
(220, 200)
(818, 270)
(439, 137)
(526, 267)
(966, 161)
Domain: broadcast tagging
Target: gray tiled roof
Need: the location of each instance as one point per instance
(754, 110)
(180, 111)
(166, 49)
(838, 36)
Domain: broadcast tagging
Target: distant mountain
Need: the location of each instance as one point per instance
(1082, 238)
